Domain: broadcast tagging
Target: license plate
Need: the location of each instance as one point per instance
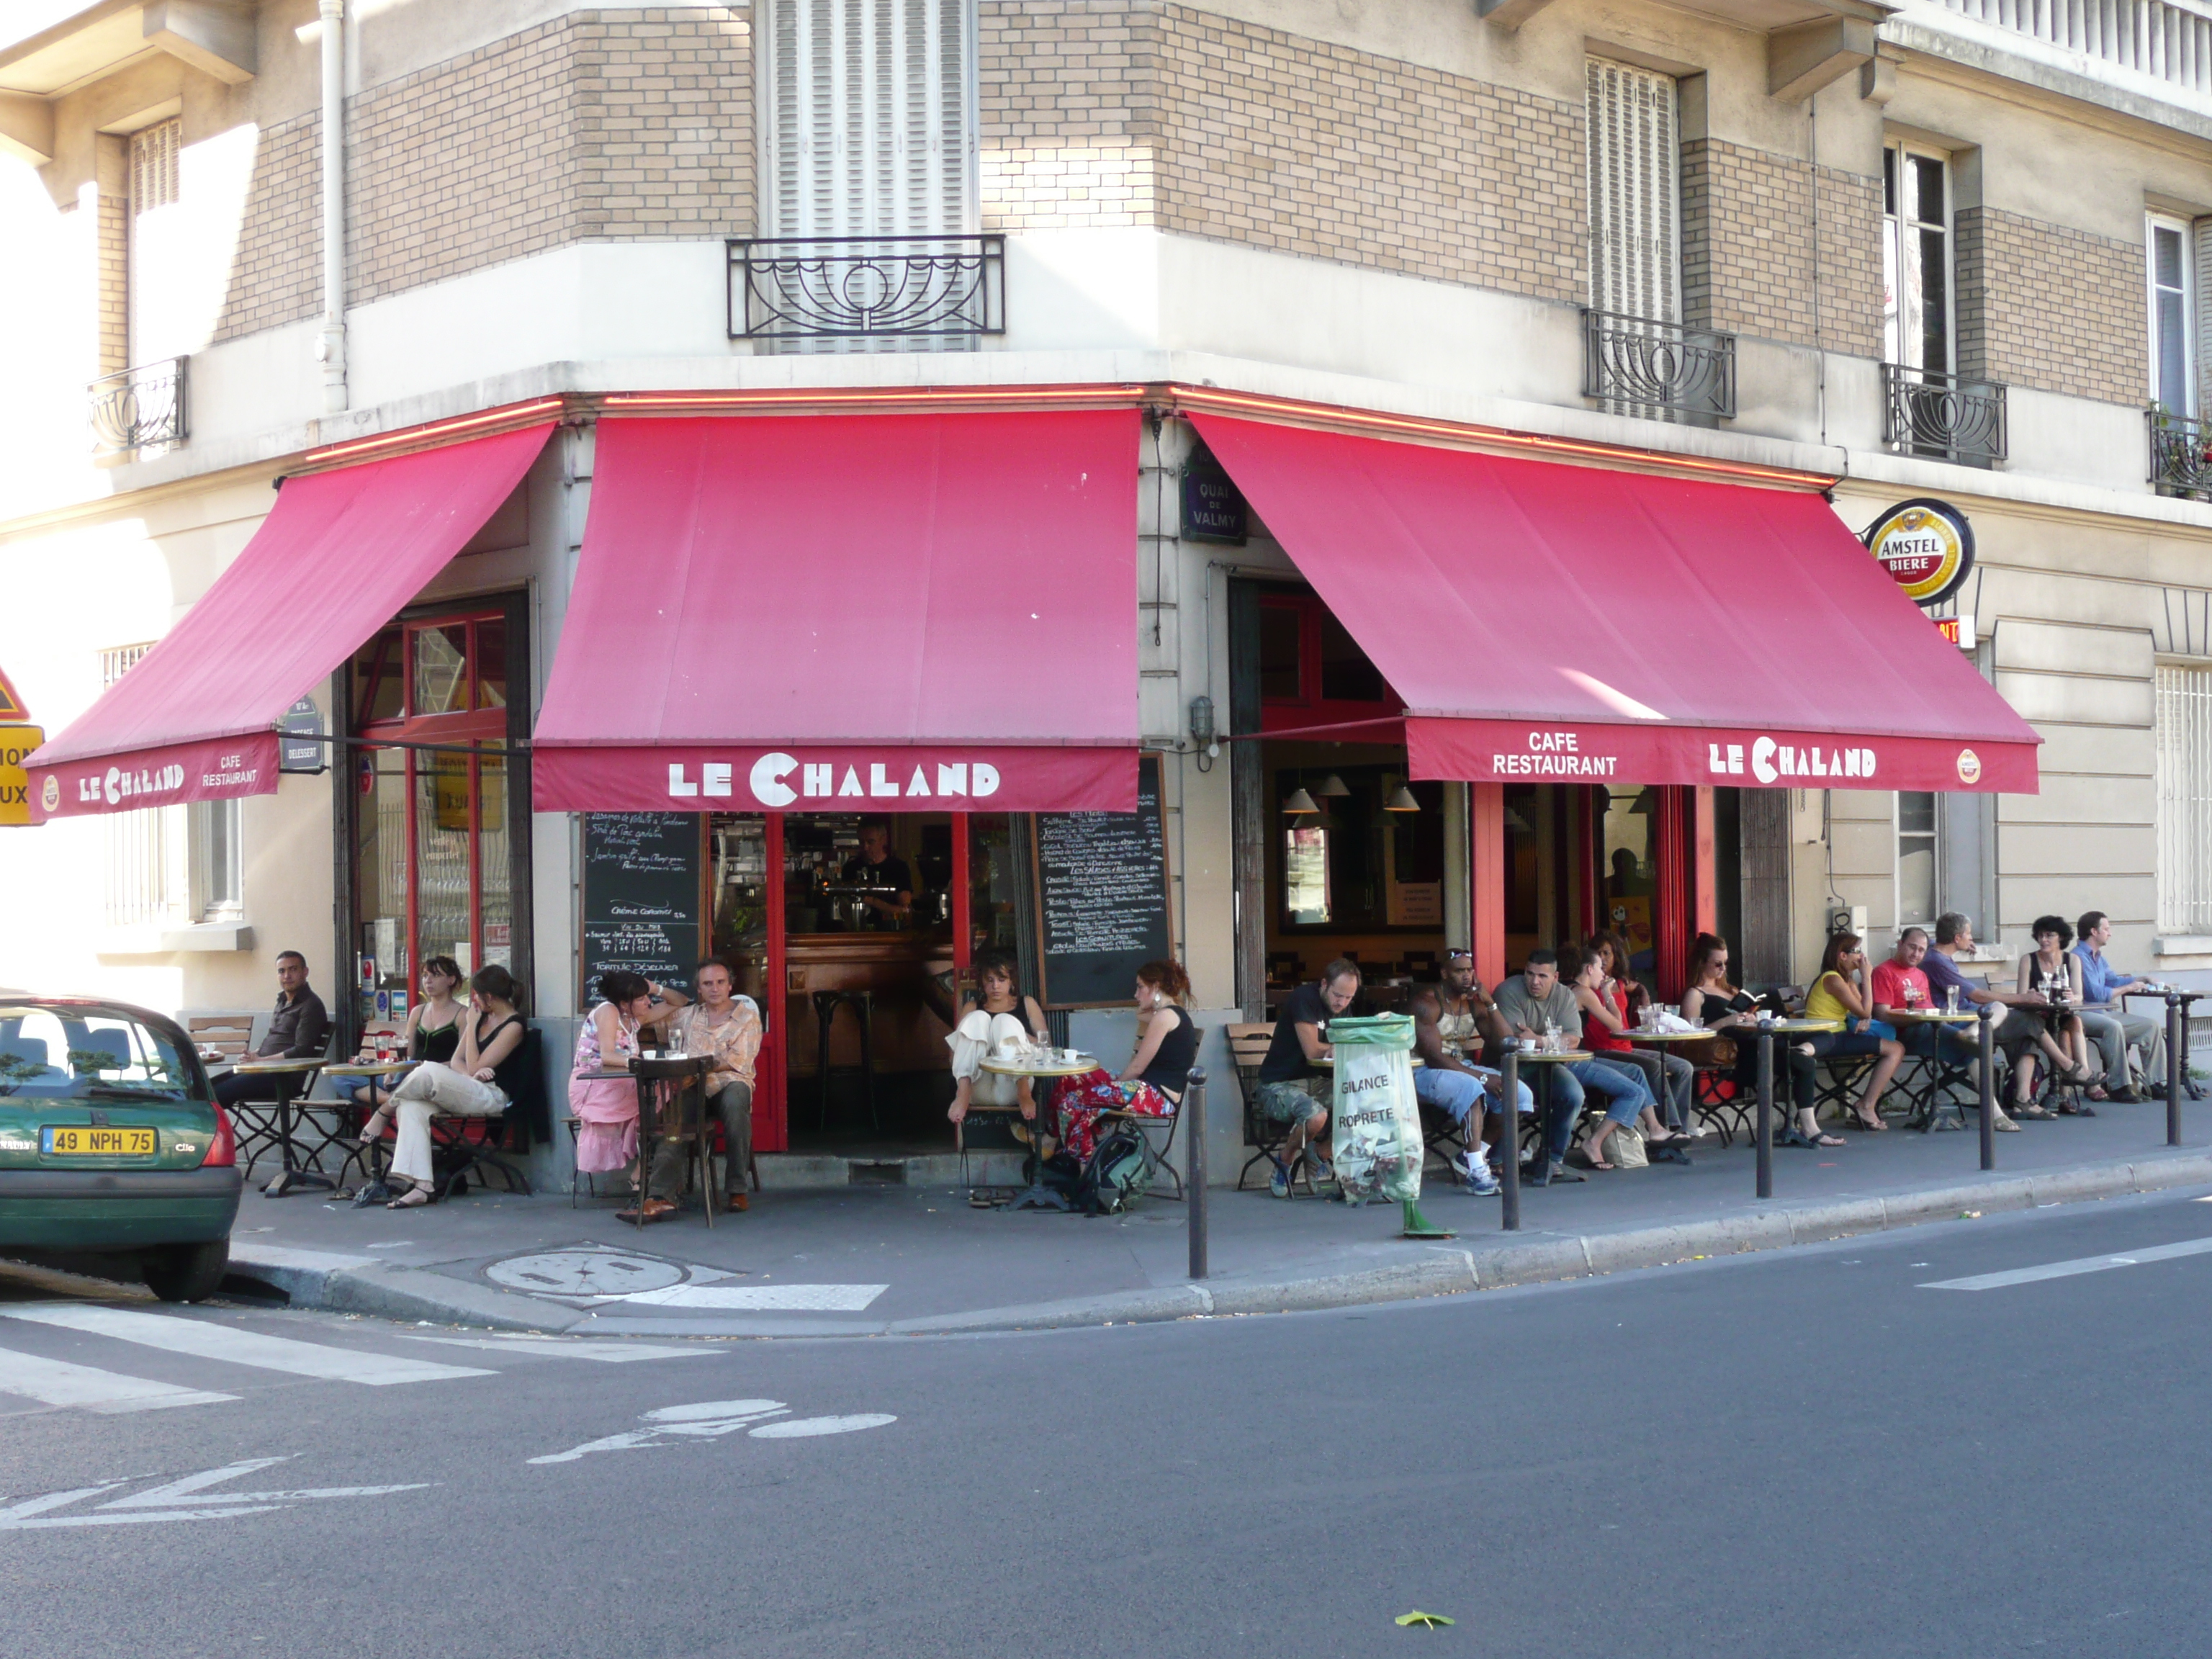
(92, 1142)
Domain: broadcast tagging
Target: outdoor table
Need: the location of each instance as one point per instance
(365, 1070)
(1767, 1032)
(1636, 1036)
(650, 1073)
(1516, 1055)
(1930, 1118)
(290, 1078)
(1038, 1196)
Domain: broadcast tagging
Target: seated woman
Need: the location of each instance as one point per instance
(606, 1107)
(1151, 1084)
(1668, 1076)
(998, 1014)
(478, 1081)
(2052, 964)
(1601, 1022)
(432, 1030)
(1843, 991)
(1712, 1001)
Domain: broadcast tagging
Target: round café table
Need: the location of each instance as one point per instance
(367, 1071)
(1038, 1196)
(1764, 1031)
(1516, 1055)
(1929, 1119)
(288, 1079)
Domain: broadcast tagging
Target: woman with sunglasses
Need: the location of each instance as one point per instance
(1713, 1001)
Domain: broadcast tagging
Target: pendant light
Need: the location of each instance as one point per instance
(1333, 787)
(1300, 804)
(1401, 801)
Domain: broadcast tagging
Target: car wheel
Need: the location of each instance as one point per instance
(188, 1272)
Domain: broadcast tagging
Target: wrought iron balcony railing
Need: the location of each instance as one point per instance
(867, 287)
(140, 407)
(2180, 455)
(1660, 369)
(1943, 416)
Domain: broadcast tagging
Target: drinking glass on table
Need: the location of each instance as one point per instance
(1950, 999)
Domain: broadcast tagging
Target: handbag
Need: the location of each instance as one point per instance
(1625, 1150)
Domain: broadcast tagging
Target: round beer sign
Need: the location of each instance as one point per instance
(1926, 546)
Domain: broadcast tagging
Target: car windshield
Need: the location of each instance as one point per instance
(84, 1053)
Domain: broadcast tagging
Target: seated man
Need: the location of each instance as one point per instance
(2019, 1029)
(1900, 984)
(1533, 1002)
(1454, 1013)
(297, 1030)
(1294, 1089)
(2109, 1023)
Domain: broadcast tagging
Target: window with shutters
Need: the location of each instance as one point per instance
(168, 865)
(2184, 798)
(2172, 347)
(1635, 163)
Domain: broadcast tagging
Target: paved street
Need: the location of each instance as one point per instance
(1807, 1452)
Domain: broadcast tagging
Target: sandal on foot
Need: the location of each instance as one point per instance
(1872, 1125)
(414, 1199)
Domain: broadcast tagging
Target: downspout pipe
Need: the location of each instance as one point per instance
(330, 342)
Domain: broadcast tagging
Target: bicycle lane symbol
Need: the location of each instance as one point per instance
(710, 1419)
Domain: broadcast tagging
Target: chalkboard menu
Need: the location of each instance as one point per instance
(1102, 897)
(641, 886)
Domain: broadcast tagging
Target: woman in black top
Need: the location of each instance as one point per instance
(1713, 1000)
(478, 1081)
(1151, 1084)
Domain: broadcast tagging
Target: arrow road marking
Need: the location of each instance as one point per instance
(2087, 1264)
(185, 1499)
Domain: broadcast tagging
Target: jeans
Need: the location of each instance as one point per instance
(733, 1104)
(1454, 1093)
(2114, 1033)
(1669, 1077)
(1621, 1087)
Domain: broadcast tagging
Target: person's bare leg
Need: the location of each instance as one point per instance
(1870, 1106)
(1027, 1098)
(1594, 1143)
(961, 1091)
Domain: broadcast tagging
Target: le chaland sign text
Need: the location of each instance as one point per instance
(776, 780)
(1556, 753)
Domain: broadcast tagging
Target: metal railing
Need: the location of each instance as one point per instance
(1941, 416)
(139, 408)
(1647, 366)
(2181, 460)
(867, 287)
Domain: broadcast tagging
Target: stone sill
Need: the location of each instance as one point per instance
(2182, 944)
(171, 941)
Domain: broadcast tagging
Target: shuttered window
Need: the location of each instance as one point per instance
(867, 118)
(1634, 160)
(2185, 799)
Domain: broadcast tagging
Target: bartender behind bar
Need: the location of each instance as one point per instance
(877, 866)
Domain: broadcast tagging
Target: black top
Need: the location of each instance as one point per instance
(1020, 1011)
(1286, 1055)
(435, 1045)
(1714, 1009)
(298, 1028)
(1169, 1071)
(506, 1076)
(892, 873)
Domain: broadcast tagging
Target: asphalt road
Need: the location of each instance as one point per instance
(1798, 1453)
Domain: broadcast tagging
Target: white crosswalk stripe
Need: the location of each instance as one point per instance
(58, 1382)
(558, 1348)
(208, 1340)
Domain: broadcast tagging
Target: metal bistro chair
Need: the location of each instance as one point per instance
(1248, 1050)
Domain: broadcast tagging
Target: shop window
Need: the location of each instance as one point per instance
(2185, 799)
(1364, 859)
(1629, 874)
(1917, 879)
(1309, 662)
(1305, 876)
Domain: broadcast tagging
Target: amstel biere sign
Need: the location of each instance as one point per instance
(1926, 546)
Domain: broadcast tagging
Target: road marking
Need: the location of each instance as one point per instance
(710, 1419)
(554, 1347)
(816, 1299)
(185, 1499)
(803, 1428)
(2087, 1264)
(57, 1382)
(179, 1334)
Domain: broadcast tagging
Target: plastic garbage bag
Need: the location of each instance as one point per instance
(1376, 1123)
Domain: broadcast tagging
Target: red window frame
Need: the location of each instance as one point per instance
(1310, 707)
(474, 723)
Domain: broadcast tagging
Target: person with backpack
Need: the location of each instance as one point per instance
(1151, 1084)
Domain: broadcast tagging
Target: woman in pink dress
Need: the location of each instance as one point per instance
(606, 1107)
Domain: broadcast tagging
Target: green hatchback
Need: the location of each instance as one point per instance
(112, 1144)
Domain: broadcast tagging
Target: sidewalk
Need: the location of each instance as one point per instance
(889, 1260)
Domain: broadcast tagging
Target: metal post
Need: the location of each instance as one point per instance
(1765, 1040)
(2177, 1067)
(1509, 1197)
(1986, 1022)
(1193, 1137)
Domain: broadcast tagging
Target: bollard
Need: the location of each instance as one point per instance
(1509, 1197)
(1985, 1018)
(1193, 1137)
(1765, 1040)
(2177, 1064)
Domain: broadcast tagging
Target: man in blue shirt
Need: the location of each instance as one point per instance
(2018, 1030)
(2115, 1030)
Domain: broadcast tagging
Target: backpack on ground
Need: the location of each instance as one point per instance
(1118, 1171)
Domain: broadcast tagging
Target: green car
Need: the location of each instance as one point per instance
(112, 1146)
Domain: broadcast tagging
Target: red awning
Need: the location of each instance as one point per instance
(339, 553)
(914, 612)
(1557, 623)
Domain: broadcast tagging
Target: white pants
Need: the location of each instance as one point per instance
(974, 1038)
(436, 1089)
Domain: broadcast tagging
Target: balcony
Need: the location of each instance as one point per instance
(919, 289)
(1662, 371)
(1943, 416)
(2180, 455)
(139, 408)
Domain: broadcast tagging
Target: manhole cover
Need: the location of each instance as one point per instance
(584, 1273)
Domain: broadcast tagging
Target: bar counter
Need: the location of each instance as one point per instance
(896, 966)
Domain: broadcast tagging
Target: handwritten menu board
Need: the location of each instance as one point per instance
(1102, 897)
(641, 896)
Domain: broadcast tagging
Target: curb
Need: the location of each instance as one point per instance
(365, 1285)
